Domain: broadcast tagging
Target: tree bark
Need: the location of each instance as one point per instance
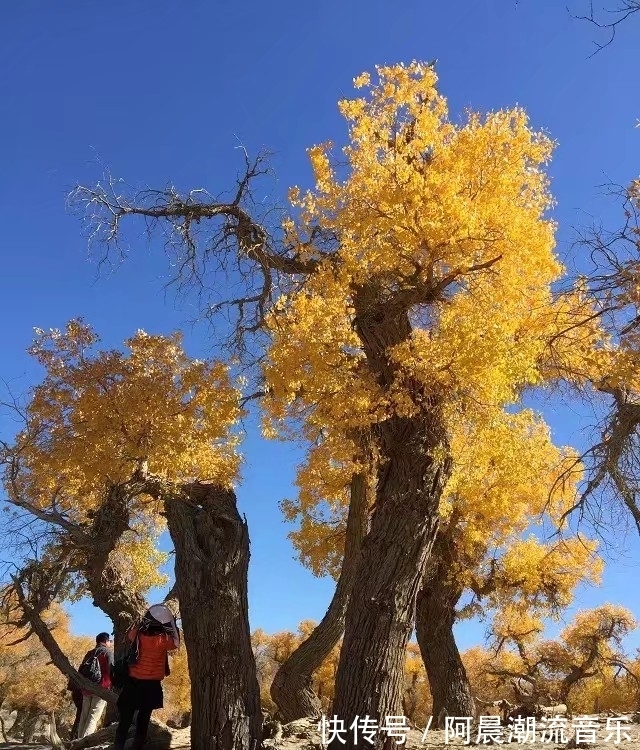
(435, 616)
(122, 605)
(414, 466)
(577, 674)
(3, 730)
(212, 555)
(291, 689)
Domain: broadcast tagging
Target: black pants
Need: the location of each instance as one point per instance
(77, 702)
(126, 718)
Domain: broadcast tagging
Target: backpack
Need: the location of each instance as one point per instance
(90, 667)
(120, 668)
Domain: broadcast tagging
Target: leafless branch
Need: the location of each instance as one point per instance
(611, 19)
(235, 243)
(172, 600)
(613, 459)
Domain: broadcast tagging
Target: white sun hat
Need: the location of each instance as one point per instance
(162, 614)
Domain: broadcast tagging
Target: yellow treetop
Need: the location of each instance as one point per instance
(601, 630)
(98, 416)
(445, 220)
(588, 647)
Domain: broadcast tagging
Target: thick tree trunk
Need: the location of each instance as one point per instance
(104, 578)
(291, 688)
(381, 610)
(577, 673)
(212, 556)
(414, 467)
(569, 681)
(435, 616)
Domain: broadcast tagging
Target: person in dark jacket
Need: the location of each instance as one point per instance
(93, 706)
(150, 643)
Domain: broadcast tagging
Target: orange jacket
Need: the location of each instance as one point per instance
(153, 648)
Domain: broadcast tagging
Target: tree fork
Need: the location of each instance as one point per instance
(381, 610)
(123, 606)
(291, 688)
(435, 615)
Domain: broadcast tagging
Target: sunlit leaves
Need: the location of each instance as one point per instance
(99, 414)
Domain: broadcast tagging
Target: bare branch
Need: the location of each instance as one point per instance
(612, 19)
(236, 243)
(172, 600)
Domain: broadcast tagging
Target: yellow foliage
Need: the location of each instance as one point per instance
(28, 679)
(177, 689)
(416, 699)
(449, 221)
(587, 655)
(272, 650)
(422, 203)
(610, 691)
(602, 628)
(137, 556)
(97, 416)
(545, 575)
(505, 474)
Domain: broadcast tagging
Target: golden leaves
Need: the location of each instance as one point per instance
(29, 680)
(98, 416)
(422, 203)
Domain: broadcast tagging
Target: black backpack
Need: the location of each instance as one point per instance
(90, 667)
(120, 668)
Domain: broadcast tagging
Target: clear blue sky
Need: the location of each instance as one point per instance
(164, 91)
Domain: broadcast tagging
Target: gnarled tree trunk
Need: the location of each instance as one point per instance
(122, 605)
(414, 467)
(435, 616)
(291, 688)
(212, 556)
(118, 601)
